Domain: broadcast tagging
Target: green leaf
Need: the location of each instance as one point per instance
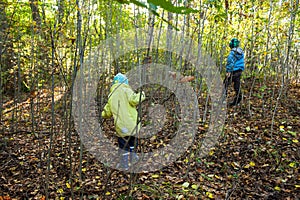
(123, 1)
(167, 5)
(195, 187)
(263, 88)
(293, 164)
(141, 4)
(292, 133)
(152, 7)
(248, 128)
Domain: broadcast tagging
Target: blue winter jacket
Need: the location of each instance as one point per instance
(235, 60)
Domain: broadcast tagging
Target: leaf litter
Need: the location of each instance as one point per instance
(251, 161)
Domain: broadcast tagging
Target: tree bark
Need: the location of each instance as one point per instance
(61, 12)
(35, 13)
(7, 57)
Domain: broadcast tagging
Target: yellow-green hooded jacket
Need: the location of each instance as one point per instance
(121, 105)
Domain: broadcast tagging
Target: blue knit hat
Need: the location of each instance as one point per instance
(120, 78)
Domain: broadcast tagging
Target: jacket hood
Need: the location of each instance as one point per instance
(238, 50)
(117, 85)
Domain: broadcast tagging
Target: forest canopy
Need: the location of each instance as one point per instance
(267, 30)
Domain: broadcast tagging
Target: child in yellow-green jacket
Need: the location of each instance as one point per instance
(121, 106)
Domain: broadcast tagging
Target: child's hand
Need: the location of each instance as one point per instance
(186, 79)
(143, 95)
(173, 74)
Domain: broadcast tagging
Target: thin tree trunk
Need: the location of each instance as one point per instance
(293, 10)
(7, 55)
(61, 12)
(35, 14)
(3, 27)
(52, 112)
(285, 66)
(74, 75)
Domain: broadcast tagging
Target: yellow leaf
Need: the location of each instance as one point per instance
(60, 191)
(195, 187)
(297, 186)
(284, 155)
(62, 198)
(277, 188)
(46, 109)
(26, 115)
(281, 127)
(211, 153)
(295, 141)
(247, 166)
(235, 165)
(155, 176)
(83, 169)
(252, 164)
(107, 193)
(209, 195)
(68, 185)
(292, 164)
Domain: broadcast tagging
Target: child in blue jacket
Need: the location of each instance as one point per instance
(234, 68)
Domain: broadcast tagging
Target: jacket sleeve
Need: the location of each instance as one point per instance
(230, 62)
(106, 113)
(134, 98)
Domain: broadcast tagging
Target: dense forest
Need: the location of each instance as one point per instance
(57, 62)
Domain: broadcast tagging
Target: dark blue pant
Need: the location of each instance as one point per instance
(235, 77)
(126, 142)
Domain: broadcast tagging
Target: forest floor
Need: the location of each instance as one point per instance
(257, 157)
